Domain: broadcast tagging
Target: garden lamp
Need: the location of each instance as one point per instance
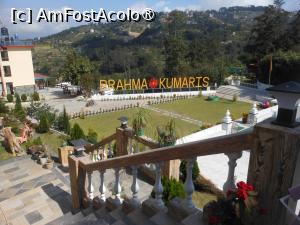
(124, 122)
(288, 98)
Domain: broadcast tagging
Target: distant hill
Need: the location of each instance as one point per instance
(136, 49)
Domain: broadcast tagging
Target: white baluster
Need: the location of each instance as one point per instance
(135, 185)
(189, 184)
(118, 188)
(130, 146)
(158, 188)
(230, 182)
(102, 188)
(137, 149)
(110, 152)
(90, 186)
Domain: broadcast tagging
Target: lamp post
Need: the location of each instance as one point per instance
(288, 97)
(124, 122)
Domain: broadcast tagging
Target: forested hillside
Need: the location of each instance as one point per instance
(176, 43)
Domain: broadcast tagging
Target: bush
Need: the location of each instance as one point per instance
(10, 98)
(286, 67)
(3, 107)
(77, 132)
(92, 136)
(24, 97)
(234, 98)
(44, 125)
(35, 96)
(32, 142)
(63, 122)
(171, 189)
(196, 170)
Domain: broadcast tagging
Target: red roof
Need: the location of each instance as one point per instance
(38, 76)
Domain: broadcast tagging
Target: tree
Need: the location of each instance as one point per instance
(279, 3)
(77, 132)
(195, 171)
(63, 122)
(87, 83)
(19, 111)
(3, 107)
(44, 125)
(75, 66)
(266, 35)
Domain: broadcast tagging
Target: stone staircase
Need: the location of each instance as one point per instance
(118, 216)
(243, 93)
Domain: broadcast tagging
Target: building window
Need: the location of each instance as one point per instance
(4, 55)
(7, 72)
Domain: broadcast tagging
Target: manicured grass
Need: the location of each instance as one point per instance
(106, 124)
(51, 140)
(206, 111)
(202, 198)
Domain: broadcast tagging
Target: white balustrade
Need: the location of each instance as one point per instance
(102, 188)
(130, 146)
(117, 187)
(189, 184)
(90, 186)
(110, 152)
(230, 182)
(158, 188)
(135, 185)
(137, 147)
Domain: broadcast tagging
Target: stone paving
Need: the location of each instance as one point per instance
(30, 194)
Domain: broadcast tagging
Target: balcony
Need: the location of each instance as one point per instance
(15, 43)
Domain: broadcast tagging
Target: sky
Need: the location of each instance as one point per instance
(43, 29)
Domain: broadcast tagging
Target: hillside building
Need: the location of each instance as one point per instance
(16, 67)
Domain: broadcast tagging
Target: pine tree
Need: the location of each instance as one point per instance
(77, 132)
(44, 125)
(92, 136)
(19, 111)
(66, 127)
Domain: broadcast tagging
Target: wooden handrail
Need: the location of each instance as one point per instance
(142, 139)
(101, 143)
(224, 144)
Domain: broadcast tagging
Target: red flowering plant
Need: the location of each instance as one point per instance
(236, 208)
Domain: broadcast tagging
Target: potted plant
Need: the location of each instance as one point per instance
(139, 122)
(49, 164)
(167, 135)
(245, 118)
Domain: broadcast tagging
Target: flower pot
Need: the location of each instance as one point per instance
(49, 164)
(42, 161)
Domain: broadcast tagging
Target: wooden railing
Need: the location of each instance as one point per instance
(273, 154)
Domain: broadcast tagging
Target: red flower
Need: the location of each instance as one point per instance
(213, 220)
(241, 185)
(242, 194)
(152, 83)
(250, 187)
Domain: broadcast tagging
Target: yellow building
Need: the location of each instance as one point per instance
(16, 67)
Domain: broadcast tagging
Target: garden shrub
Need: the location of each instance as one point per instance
(44, 125)
(31, 142)
(19, 111)
(92, 136)
(171, 189)
(10, 98)
(63, 122)
(3, 107)
(77, 132)
(35, 96)
(24, 97)
(182, 168)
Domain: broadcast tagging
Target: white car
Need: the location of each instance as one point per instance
(64, 84)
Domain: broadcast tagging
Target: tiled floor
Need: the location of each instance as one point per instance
(30, 194)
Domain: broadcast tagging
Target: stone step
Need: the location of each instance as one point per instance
(163, 218)
(105, 215)
(193, 219)
(119, 222)
(90, 220)
(117, 214)
(137, 217)
(67, 219)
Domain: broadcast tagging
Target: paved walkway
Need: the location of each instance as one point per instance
(174, 115)
(30, 194)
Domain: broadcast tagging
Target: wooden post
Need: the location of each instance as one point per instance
(121, 142)
(171, 169)
(271, 169)
(77, 181)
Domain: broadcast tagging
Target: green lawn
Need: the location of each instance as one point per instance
(205, 111)
(4, 154)
(51, 140)
(106, 124)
